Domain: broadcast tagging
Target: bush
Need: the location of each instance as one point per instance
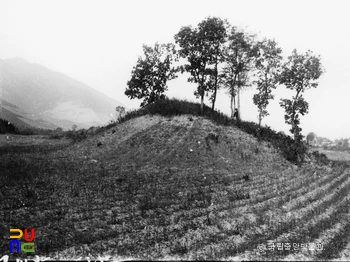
(28, 131)
(320, 158)
(77, 136)
(7, 127)
(172, 107)
(111, 124)
(57, 133)
(56, 136)
(293, 151)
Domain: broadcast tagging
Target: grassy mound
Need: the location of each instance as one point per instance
(292, 151)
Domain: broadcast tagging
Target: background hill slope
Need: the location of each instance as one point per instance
(36, 96)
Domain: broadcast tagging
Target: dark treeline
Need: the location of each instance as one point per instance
(7, 127)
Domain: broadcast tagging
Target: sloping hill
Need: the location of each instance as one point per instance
(180, 187)
(23, 119)
(196, 143)
(37, 96)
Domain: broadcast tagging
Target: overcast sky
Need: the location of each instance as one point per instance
(98, 42)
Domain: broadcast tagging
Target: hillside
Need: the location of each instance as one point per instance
(178, 187)
(34, 95)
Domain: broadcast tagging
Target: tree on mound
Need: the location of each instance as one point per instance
(267, 65)
(239, 55)
(203, 48)
(299, 73)
(150, 75)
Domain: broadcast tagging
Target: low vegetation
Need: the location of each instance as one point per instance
(293, 150)
(7, 127)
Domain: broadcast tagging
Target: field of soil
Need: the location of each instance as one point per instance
(335, 155)
(10, 143)
(172, 188)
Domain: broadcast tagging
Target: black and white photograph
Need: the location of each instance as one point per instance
(174, 130)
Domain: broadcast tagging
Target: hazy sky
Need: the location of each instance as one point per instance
(98, 42)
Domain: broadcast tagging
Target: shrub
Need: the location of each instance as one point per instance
(56, 136)
(77, 135)
(172, 107)
(57, 133)
(293, 151)
(111, 124)
(7, 127)
(320, 158)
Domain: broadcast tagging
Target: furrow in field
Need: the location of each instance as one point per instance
(240, 221)
(324, 229)
(257, 207)
(289, 221)
(241, 208)
(344, 254)
(298, 235)
(235, 204)
(311, 229)
(292, 188)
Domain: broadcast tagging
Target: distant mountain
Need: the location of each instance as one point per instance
(34, 95)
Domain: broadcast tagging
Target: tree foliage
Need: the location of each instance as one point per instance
(239, 54)
(311, 137)
(150, 75)
(120, 112)
(342, 143)
(299, 73)
(214, 32)
(7, 127)
(202, 47)
(218, 55)
(267, 65)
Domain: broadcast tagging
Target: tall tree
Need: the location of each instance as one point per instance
(299, 73)
(150, 75)
(202, 47)
(239, 55)
(214, 33)
(120, 112)
(267, 67)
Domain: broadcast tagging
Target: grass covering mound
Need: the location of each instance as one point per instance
(292, 151)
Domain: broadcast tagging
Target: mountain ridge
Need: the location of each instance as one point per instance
(54, 97)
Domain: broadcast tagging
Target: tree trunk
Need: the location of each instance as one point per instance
(293, 116)
(213, 103)
(232, 105)
(238, 98)
(233, 97)
(260, 117)
(293, 128)
(0, 93)
(238, 104)
(202, 102)
(234, 101)
(215, 85)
